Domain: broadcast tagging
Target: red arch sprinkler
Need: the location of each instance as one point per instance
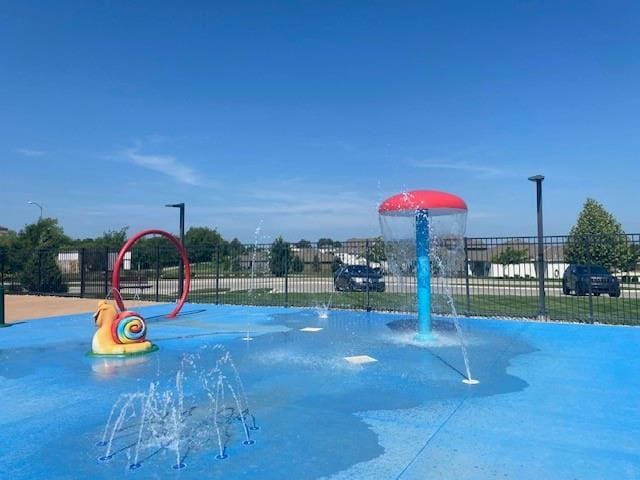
(115, 280)
(422, 205)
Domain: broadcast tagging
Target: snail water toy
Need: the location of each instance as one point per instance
(119, 333)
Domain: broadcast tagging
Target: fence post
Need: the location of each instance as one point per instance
(588, 244)
(2, 324)
(466, 275)
(286, 277)
(542, 308)
(2, 268)
(218, 275)
(366, 245)
(82, 287)
(157, 273)
(106, 272)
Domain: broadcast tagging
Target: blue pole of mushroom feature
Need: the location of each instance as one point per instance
(423, 274)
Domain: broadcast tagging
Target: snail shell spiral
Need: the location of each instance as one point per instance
(129, 327)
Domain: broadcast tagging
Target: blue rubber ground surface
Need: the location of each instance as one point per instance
(557, 401)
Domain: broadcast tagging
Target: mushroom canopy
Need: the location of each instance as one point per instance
(433, 201)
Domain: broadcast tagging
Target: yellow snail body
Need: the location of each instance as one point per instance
(119, 334)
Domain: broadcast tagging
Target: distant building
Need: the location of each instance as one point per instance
(69, 262)
(3, 230)
(315, 260)
(482, 257)
(256, 262)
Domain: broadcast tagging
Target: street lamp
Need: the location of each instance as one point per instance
(542, 310)
(37, 205)
(181, 272)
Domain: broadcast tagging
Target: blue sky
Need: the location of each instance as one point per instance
(300, 117)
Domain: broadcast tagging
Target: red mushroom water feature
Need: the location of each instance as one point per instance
(421, 205)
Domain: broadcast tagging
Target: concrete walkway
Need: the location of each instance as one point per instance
(29, 307)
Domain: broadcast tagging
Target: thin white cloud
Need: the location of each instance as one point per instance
(29, 152)
(166, 164)
(308, 202)
(294, 207)
(483, 170)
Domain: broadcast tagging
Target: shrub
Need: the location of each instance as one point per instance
(42, 274)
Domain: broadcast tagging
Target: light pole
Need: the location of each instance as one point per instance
(542, 310)
(181, 272)
(37, 205)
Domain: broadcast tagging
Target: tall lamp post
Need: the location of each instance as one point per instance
(37, 205)
(542, 310)
(181, 270)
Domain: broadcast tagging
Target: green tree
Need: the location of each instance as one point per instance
(44, 234)
(336, 265)
(39, 243)
(280, 257)
(12, 255)
(150, 252)
(225, 264)
(42, 274)
(235, 248)
(297, 265)
(201, 243)
(303, 244)
(376, 250)
(634, 258)
(597, 238)
(511, 256)
(94, 248)
(325, 243)
(111, 239)
(233, 252)
(8, 238)
(315, 266)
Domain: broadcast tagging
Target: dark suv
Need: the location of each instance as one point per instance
(576, 278)
(358, 278)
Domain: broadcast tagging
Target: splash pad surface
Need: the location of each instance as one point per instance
(555, 400)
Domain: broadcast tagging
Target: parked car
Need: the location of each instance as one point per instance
(577, 278)
(358, 278)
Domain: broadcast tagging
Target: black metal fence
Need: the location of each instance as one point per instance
(483, 276)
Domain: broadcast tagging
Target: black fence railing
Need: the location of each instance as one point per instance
(587, 279)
